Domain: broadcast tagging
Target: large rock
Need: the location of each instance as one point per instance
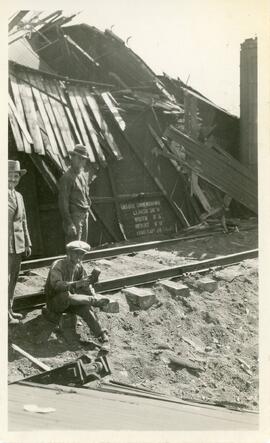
(207, 284)
(176, 289)
(139, 298)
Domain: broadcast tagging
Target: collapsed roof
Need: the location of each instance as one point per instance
(74, 83)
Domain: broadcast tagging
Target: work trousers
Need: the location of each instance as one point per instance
(60, 304)
(80, 220)
(14, 265)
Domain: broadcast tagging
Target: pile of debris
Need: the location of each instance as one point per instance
(184, 150)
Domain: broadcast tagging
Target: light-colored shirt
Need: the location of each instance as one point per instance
(12, 208)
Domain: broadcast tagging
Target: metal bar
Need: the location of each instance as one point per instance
(36, 299)
(113, 252)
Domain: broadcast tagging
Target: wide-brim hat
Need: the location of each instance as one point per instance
(81, 151)
(78, 245)
(14, 166)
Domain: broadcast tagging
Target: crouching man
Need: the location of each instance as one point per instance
(68, 289)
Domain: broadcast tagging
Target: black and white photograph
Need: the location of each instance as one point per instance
(133, 300)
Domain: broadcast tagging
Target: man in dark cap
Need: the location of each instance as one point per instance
(69, 289)
(74, 199)
(19, 242)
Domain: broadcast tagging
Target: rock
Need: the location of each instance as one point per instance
(207, 284)
(175, 288)
(208, 349)
(139, 298)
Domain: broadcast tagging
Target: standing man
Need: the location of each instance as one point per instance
(19, 242)
(69, 289)
(74, 199)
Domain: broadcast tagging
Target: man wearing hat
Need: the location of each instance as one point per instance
(69, 289)
(19, 242)
(74, 199)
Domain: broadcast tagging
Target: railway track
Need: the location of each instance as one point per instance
(36, 299)
(115, 251)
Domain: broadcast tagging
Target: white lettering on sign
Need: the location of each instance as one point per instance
(146, 218)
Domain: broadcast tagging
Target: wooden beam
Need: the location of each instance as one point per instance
(31, 358)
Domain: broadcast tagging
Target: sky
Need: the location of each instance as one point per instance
(198, 41)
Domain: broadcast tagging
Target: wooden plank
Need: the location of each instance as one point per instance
(67, 136)
(31, 115)
(16, 19)
(69, 39)
(43, 114)
(19, 107)
(79, 119)
(16, 130)
(20, 121)
(47, 104)
(107, 99)
(71, 119)
(102, 124)
(58, 118)
(90, 127)
(31, 358)
(214, 169)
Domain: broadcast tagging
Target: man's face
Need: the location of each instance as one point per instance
(76, 256)
(13, 179)
(77, 162)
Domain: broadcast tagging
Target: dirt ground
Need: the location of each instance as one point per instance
(218, 331)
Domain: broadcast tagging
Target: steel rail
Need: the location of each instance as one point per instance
(95, 254)
(30, 301)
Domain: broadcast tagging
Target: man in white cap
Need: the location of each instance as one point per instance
(74, 200)
(69, 289)
(19, 242)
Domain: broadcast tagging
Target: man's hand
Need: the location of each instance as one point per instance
(83, 283)
(28, 251)
(71, 229)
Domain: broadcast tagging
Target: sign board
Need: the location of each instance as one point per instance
(147, 217)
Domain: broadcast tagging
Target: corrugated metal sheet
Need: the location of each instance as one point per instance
(86, 409)
(222, 171)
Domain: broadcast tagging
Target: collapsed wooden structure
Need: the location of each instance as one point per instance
(71, 84)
